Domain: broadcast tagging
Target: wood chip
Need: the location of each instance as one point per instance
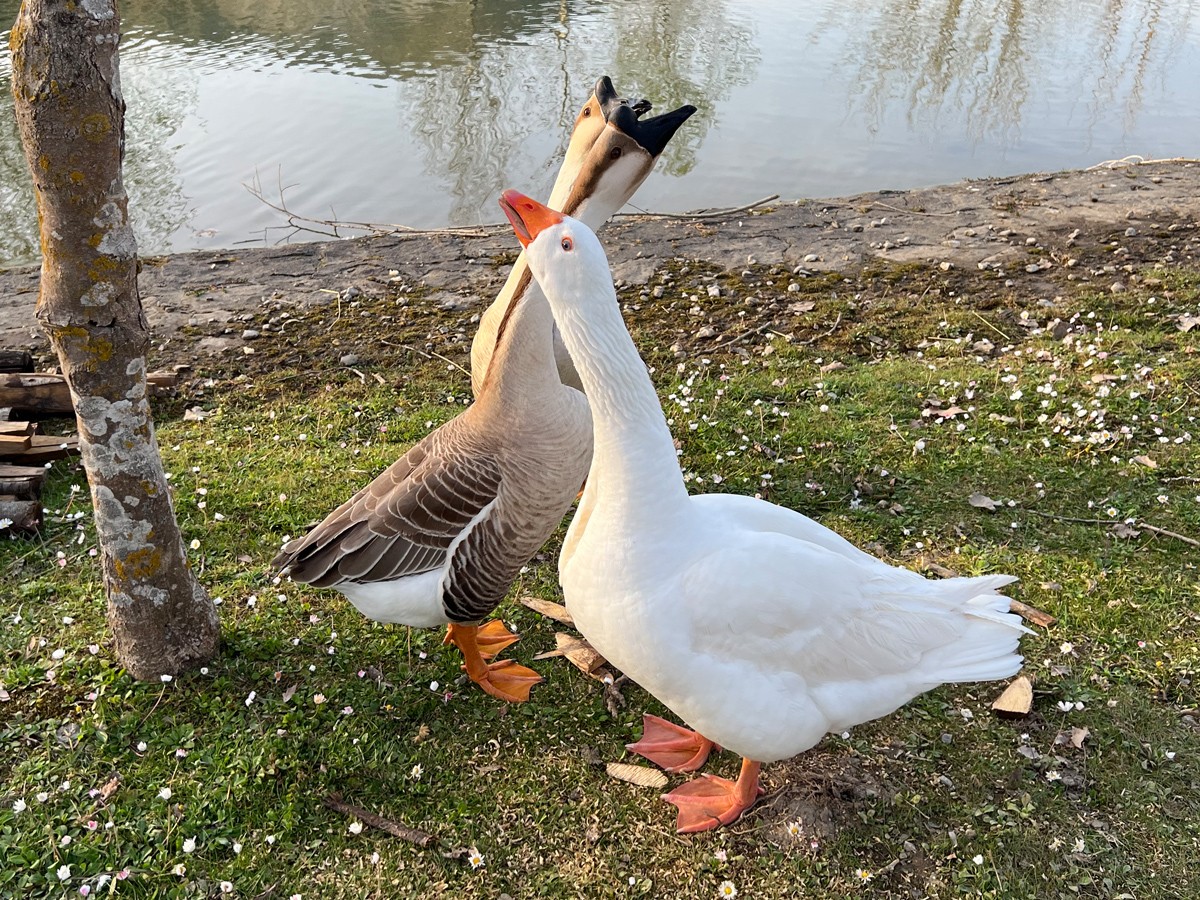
(1017, 699)
(555, 611)
(642, 776)
(579, 653)
(1031, 614)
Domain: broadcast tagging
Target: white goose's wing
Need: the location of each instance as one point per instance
(862, 639)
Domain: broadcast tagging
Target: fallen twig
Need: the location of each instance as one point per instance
(699, 214)
(1153, 529)
(1031, 613)
(412, 835)
(428, 354)
(1136, 160)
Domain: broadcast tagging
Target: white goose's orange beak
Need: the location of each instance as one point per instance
(528, 217)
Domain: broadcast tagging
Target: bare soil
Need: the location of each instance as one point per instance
(1029, 236)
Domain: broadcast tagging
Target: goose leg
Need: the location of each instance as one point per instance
(670, 746)
(492, 639)
(709, 802)
(505, 679)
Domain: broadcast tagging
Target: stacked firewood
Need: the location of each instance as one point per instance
(24, 450)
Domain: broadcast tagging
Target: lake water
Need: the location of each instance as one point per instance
(421, 111)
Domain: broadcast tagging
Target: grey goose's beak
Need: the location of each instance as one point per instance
(607, 97)
(652, 134)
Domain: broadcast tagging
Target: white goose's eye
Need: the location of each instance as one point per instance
(568, 244)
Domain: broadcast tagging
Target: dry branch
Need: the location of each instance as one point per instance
(412, 835)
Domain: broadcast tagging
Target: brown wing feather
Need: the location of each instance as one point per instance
(403, 522)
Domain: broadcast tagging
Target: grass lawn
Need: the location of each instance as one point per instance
(877, 404)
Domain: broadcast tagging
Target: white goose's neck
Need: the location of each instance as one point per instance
(634, 462)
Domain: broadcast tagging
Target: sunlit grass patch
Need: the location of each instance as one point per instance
(880, 412)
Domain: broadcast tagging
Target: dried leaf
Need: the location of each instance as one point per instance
(555, 611)
(1187, 323)
(950, 412)
(422, 734)
(1121, 530)
(290, 692)
(982, 501)
(642, 776)
(110, 787)
(1146, 461)
(802, 306)
(1078, 736)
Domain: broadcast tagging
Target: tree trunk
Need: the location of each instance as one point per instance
(71, 117)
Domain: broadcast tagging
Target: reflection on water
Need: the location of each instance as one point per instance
(980, 62)
(420, 111)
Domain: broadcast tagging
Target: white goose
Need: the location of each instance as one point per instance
(760, 628)
(439, 536)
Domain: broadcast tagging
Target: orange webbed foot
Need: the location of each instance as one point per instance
(504, 680)
(508, 681)
(674, 748)
(709, 802)
(494, 638)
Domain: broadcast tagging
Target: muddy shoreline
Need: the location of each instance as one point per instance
(1028, 231)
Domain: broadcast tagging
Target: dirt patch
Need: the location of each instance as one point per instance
(1029, 235)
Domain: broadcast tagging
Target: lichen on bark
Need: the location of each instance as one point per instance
(70, 114)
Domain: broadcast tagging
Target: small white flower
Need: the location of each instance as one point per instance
(1079, 847)
(250, 697)
(141, 747)
(42, 796)
(1066, 647)
(475, 859)
(189, 845)
(977, 859)
(164, 678)
(1065, 705)
(64, 872)
(180, 869)
(318, 699)
(416, 771)
(726, 889)
(1053, 775)
(165, 793)
(64, 841)
(19, 806)
(195, 544)
(226, 887)
(356, 827)
(433, 685)
(237, 847)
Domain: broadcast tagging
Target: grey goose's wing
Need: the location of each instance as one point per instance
(402, 523)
